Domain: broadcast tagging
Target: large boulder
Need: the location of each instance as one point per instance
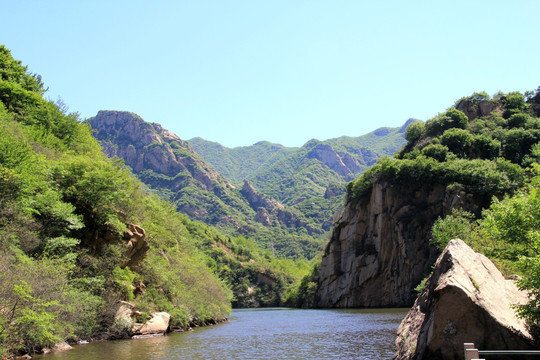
(157, 325)
(466, 299)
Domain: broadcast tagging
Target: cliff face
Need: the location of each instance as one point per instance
(341, 162)
(168, 164)
(145, 146)
(379, 248)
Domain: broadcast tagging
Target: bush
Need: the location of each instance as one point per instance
(457, 225)
(436, 151)
(457, 141)
(414, 131)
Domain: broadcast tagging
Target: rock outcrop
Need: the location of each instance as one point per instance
(257, 200)
(341, 162)
(157, 325)
(169, 165)
(271, 212)
(466, 299)
(379, 249)
(145, 146)
(474, 109)
(136, 244)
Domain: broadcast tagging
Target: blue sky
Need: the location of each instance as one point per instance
(238, 72)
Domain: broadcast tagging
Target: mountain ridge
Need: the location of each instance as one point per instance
(169, 166)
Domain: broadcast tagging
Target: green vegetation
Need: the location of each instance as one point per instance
(490, 161)
(64, 210)
(298, 178)
(507, 233)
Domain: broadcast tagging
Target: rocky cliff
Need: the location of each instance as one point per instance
(379, 250)
(171, 167)
(341, 162)
(465, 300)
(145, 146)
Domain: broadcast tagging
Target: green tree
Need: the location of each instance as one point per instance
(414, 131)
(457, 141)
(457, 225)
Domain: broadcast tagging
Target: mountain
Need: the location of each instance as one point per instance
(239, 163)
(310, 179)
(347, 156)
(79, 234)
(82, 239)
(383, 242)
(171, 167)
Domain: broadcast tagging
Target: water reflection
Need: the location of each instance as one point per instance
(264, 334)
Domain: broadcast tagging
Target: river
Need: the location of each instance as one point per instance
(267, 333)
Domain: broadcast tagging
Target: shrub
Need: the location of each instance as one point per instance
(457, 225)
(457, 141)
(414, 131)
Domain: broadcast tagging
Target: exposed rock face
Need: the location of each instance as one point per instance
(263, 217)
(342, 163)
(134, 239)
(136, 244)
(124, 311)
(158, 324)
(334, 190)
(257, 200)
(58, 347)
(168, 164)
(466, 299)
(476, 109)
(145, 146)
(379, 248)
(270, 211)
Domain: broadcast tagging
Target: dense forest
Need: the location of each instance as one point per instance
(79, 233)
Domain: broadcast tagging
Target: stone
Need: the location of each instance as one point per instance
(379, 248)
(465, 300)
(341, 162)
(124, 310)
(61, 346)
(263, 217)
(257, 200)
(158, 324)
(58, 347)
(136, 246)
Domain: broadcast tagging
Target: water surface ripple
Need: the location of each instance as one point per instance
(268, 333)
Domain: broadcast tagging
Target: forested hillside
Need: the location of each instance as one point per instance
(79, 233)
(310, 179)
(473, 173)
(171, 168)
(240, 163)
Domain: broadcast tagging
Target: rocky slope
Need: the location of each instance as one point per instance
(149, 147)
(379, 250)
(465, 300)
(171, 167)
(310, 179)
(346, 156)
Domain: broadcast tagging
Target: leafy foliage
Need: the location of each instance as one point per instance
(63, 209)
(494, 156)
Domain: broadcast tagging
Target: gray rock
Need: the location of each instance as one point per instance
(465, 300)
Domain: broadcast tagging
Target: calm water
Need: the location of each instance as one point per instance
(276, 333)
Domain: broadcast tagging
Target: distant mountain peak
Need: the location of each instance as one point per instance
(406, 125)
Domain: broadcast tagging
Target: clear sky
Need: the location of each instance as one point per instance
(238, 72)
